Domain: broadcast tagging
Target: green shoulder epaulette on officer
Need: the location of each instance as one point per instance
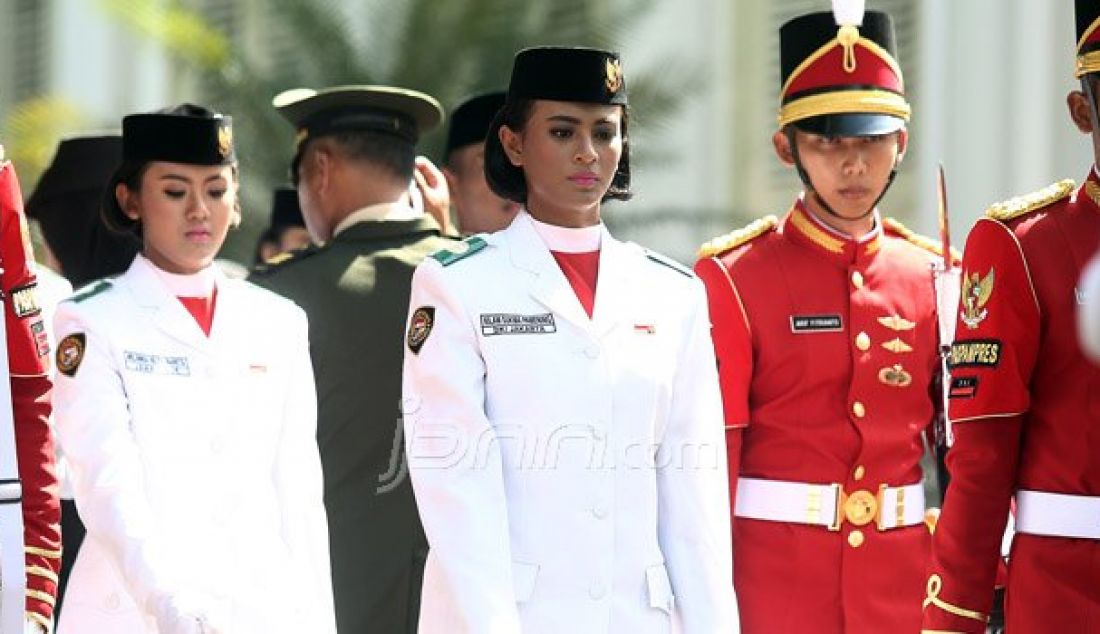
(1020, 205)
(736, 238)
(472, 245)
(91, 290)
(668, 262)
(928, 244)
(285, 258)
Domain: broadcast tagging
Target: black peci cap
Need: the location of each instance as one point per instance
(840, 74)
(285, 210)
(471, 120)
(559, 73)
(80, 164)
(189, 134)
(66, 203)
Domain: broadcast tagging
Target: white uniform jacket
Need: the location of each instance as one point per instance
(570, 472)
(194, 461)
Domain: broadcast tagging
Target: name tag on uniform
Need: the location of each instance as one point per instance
(157, 364)
(512, 324)
(816, 323)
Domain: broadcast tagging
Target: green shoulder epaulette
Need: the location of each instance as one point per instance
(279, 260)
(460, 251)
(1020, 205)
(91, 290)
(924, 242)
(736, 238)
(669, 262)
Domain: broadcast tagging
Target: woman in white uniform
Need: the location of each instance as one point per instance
(563, 420)
(185, 404)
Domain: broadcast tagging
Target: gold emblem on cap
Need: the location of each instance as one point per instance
(225, 141)
(614, 70)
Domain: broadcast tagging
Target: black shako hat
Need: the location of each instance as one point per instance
(1088, 37)
(558, 73)
(840, 74)
(285, 210)
(471, 120)
(191, 134)
(403, 113)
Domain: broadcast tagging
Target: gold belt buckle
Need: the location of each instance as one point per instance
(861, 507)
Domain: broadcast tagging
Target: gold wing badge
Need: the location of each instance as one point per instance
(975, 295)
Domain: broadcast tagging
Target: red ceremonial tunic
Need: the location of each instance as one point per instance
(30, 390)
(1025, 404)
(827, 352)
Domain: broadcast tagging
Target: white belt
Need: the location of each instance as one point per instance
(1057, 514)
(828, 505)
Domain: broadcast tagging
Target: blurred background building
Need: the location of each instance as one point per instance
(987, 79)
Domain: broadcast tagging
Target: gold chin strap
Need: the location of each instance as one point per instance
(935, 585)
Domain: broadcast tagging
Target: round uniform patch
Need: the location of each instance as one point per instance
(420, 326)
(70, 352)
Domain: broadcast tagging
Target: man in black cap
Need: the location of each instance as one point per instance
(287, 231)
(353, 165)
(477, 208)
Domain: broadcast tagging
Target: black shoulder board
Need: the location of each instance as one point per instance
(461, 251)
(669, 262)
(91, 290)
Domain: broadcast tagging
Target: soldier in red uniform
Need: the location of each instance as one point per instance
(825, 327)
(30, 391)
(1025, 406)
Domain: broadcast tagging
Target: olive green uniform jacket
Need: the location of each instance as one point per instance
(355, 291)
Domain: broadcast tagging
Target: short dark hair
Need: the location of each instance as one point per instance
(388, 151)
(509, 181)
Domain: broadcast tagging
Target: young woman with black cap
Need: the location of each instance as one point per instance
(561, 403)
(185, 405)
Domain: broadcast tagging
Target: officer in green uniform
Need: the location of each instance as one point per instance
(353, 165)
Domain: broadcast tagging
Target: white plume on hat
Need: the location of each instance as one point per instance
(849, 12)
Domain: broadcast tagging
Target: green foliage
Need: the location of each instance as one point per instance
(180, 31)
(31, 130)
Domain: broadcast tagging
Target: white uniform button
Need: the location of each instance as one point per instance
(599, 512)
(859, 410)
(592, 352)
(112, 601)
(857, 279)
(855, 538)
(597, 591)
(863, 341)
(216, 446)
